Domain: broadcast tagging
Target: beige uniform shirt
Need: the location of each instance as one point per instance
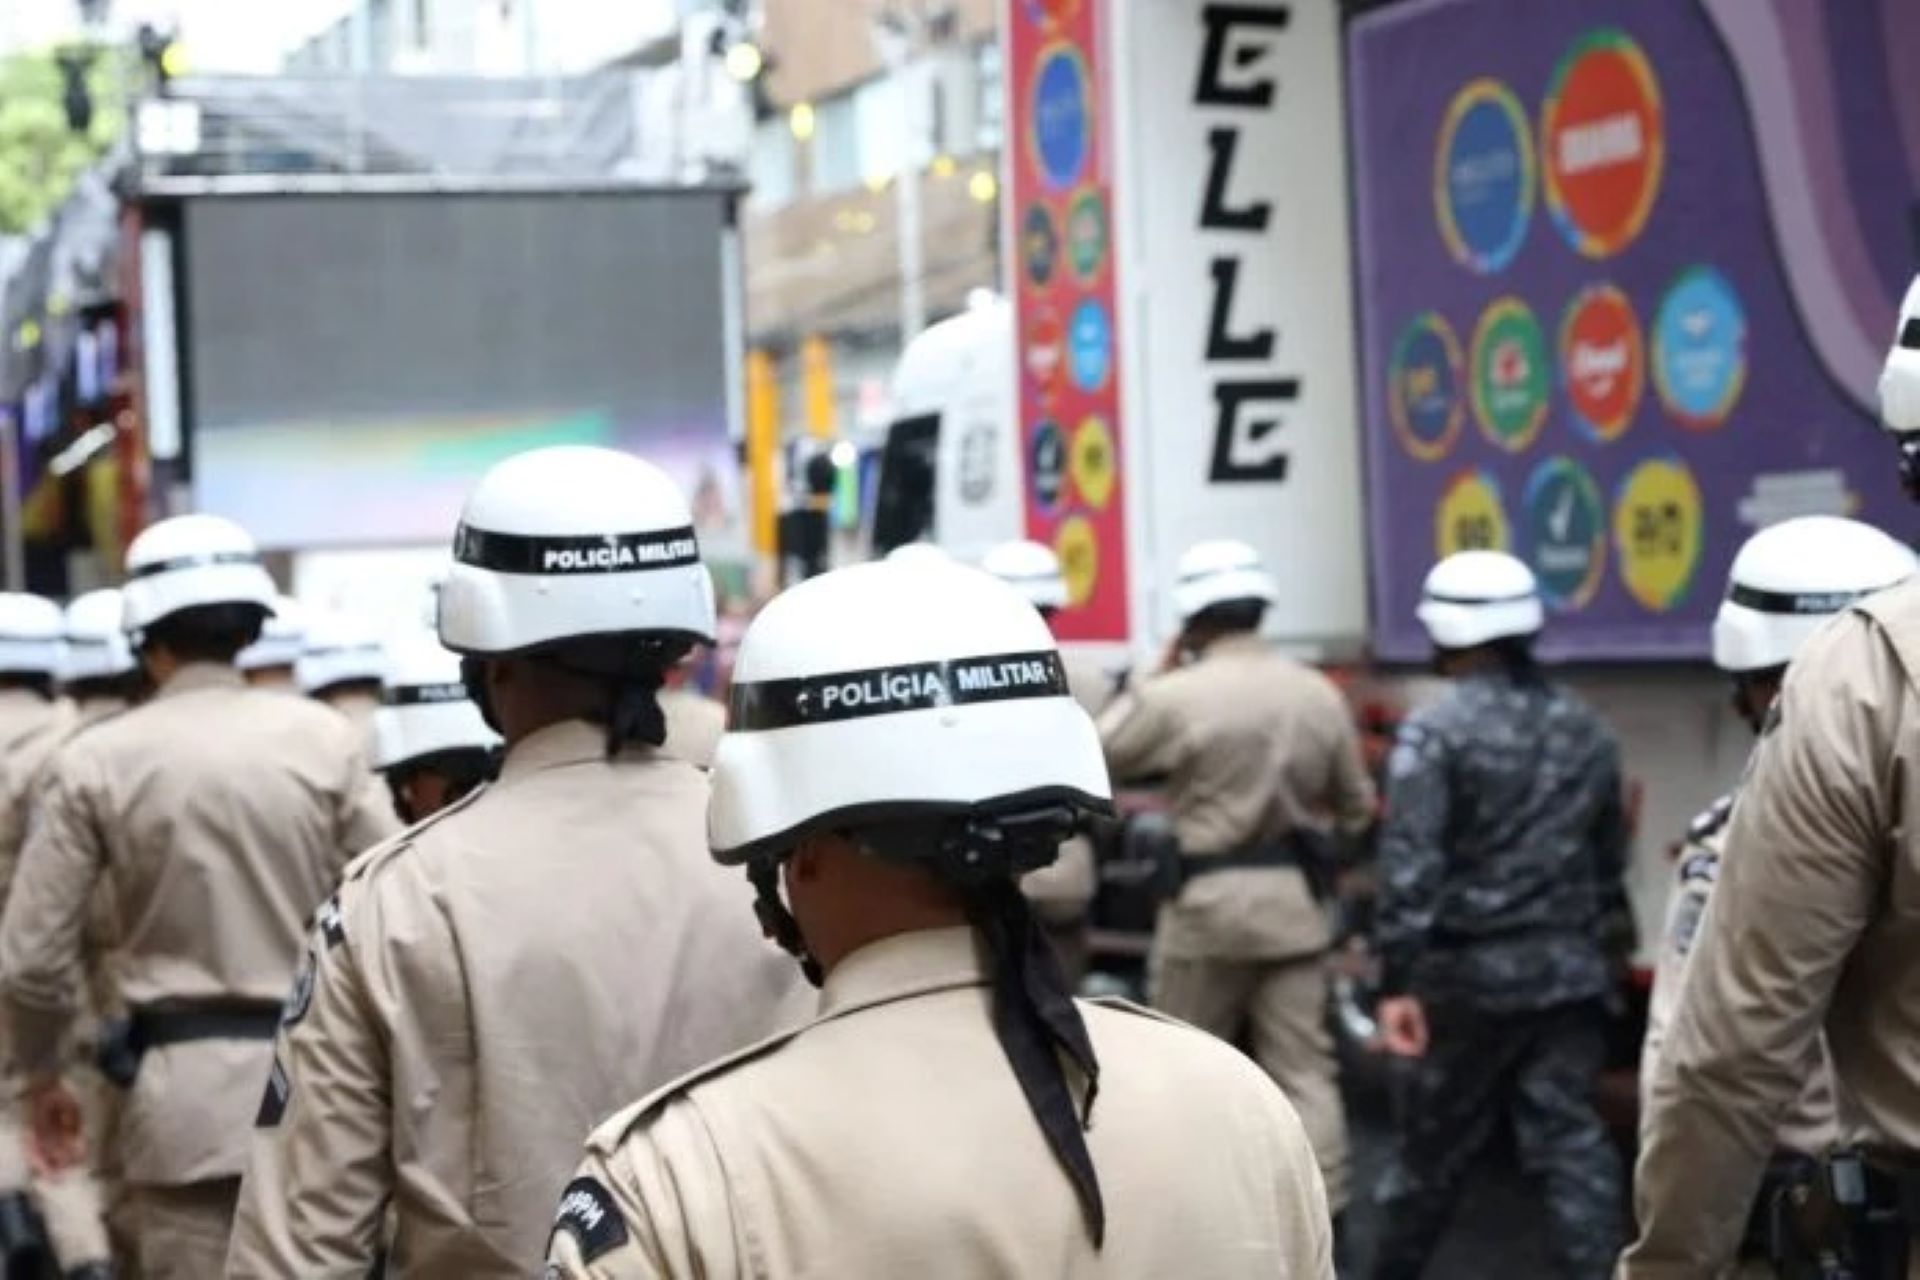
(1253, 745)
(1062, 892)
(890, 1139)
(1809, 1126)
(32, 729)
(694, 725)
(1815, 922)
(221, 817)
(485, 990)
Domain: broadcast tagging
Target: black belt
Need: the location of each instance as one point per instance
(154, 1028)
(1277, 854)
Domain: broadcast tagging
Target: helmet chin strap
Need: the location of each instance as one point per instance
(776, 921)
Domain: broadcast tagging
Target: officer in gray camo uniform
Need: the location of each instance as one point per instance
(1502, 926)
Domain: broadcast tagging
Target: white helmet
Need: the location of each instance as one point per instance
(1789, 578)
(339, 648)
(189, 562)
(1900, 378)
(919, 553)
(31, 631)
(1032, 569)
(1473, 597)
(425, 709)
(281, 638)
(96, 643)
(569, 542)
(888, 691)
(1220, 572)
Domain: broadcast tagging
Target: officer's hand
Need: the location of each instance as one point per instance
(56, 1137)
(1403, 1026)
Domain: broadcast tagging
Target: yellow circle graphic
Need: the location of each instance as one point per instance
(1079, 550)
(1470, 516)
(1092, 462)
(1657, 529)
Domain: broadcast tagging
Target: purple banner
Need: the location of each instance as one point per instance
(1628, 269)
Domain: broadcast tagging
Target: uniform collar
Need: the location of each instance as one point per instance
(193, 677)
(568, 742)
(20, 701)
(907, 964)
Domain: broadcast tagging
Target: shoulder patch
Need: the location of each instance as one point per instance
(1702, 867)
(589, 1215)
(300, 999)
(1711, 819)
(330, 923)
(1686, 922)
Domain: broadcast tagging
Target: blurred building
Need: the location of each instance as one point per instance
(484, 37)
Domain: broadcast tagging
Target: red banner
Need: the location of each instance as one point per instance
(1060, 216)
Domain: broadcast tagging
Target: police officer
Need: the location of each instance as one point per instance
(32, 720)
(1260, 754)
(486, 988)
(343, 663)
(431, 743)
(1501, 925)
(1815, 924)
(98, 673)
(1786, 582)
(1062, 894)
(269, 662)
(220, 817)
(902, 747)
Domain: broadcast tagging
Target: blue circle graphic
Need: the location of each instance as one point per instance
(1486, 179)
(1090, 345)
(1061, 124)
(1700, 348)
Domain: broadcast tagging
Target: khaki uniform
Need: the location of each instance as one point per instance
(890, 1139)
(694, 725)
(1253, 746)
(1815, 923)
(219, 817)
(482, 992)
(1063, 893)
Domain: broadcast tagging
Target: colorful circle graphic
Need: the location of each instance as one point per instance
(1700, 348)
(1093, 463)
(1483, 179)
(1603, 361)
(1087, 234)
(1047, 464)
(1658, 524)
(1051, 13)
(1424, 397)
(1090, 345)
(1046, 351)
(1079, 550)
(1060, 131)
(1510, 380)
(1566, 526)
(1602, 142)
(1039, 245)
(1471, 516)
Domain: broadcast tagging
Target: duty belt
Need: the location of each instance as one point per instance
(155, 1027)
(1278, 853)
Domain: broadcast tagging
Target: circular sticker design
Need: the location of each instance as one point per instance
(1092, 462)
(1471, 516)
(1046, 353)
(1052, 13)
(1079, 552)
(1483, 179)
(1566, 532)
(1039, 245)
(1087, 234)
(1510, 382)
(1658, 523)
(1424, 399)
(1090, 345)
(1602, 361)
(1700, 348)
(1047, 464)
(1602, 142)
(1060, 133)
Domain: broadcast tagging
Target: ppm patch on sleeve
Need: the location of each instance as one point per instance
(588, 1214)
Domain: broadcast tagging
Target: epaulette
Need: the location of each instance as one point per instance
(1711, 820)
(394, 845)
(1124, 1005)
(606, 1139)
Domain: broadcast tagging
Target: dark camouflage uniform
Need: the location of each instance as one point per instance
(1502, 908)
